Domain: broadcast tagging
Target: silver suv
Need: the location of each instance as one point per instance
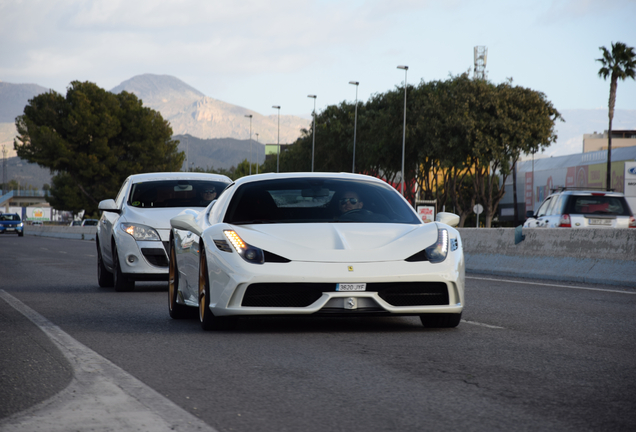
(572, 208)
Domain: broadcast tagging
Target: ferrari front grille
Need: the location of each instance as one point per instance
(304, 294)
(284, 294)
(411, 293)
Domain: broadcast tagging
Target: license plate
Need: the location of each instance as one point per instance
(10, 229)
(604, 222)
(351, 287)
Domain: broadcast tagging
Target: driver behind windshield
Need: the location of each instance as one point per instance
(349, 201)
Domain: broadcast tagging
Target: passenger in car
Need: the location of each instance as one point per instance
(207, 195)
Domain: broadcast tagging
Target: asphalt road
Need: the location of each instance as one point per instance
(529, 355)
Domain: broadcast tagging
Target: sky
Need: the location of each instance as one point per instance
(259, 53)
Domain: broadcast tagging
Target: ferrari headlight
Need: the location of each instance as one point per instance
(249, 253)
(438, 251)
(140, 232)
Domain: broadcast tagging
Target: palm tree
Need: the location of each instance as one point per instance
(620, 63)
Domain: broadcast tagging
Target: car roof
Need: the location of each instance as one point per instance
(138, 178)
(330, 175)
(587, 192)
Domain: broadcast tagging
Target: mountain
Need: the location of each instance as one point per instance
(219, 152)
(14, 97)
(163, 93)
(191, 112)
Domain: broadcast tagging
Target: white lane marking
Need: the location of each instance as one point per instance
(101, 396)
(552, 285)
(482, 324)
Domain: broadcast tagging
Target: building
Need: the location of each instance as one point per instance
(536, 178)
(620, 138)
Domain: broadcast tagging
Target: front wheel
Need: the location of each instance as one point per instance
(104, 277)
(206, 317)
(120, 280)
(177, 311)
(441, 320)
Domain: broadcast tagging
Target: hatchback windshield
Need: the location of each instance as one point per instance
(311, 200)
(175, 193)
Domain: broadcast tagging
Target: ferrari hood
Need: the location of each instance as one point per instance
(335, 242)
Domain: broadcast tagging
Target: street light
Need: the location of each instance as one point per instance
(278, 142)
(313, 142)
(250, 117)
(406, 68)
(355, 126)
(256, 152)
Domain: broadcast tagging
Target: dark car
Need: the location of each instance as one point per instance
(10, 223)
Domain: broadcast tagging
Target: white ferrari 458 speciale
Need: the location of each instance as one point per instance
(314, 243)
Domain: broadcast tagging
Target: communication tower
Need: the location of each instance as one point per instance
(4, 168)
(481, 56)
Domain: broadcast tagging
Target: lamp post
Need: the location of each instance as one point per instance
(355, 126)
(250, 117)
(313, 142)
(256, 152)
(405, 68)
(278, 142)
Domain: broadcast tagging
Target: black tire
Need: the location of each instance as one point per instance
(120, 280)
(104, 277)
(21, 234)
(206, 317)
(441, 320)
(176, 310)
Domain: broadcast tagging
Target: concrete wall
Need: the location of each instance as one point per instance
(70, 232)
(606, 256)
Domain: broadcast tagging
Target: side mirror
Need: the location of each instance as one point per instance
(529, 214)
(186, 222)
(450, 219)
(108, 205)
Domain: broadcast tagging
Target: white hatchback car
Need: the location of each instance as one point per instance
(572, 208)
(134, 229)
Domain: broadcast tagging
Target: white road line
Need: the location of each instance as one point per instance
(482, 324)
(101, 397)
(552, 285)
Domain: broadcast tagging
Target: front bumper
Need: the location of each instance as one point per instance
(419, 287)
(142, 260)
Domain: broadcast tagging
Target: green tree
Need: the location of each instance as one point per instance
(620, 63)
(92, 140)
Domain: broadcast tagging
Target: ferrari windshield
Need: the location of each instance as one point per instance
(311, 200)
(175, 193)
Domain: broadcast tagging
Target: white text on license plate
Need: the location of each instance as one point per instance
(351, 287)
(600, 222)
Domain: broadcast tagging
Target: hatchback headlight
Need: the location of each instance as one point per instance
(140, 232)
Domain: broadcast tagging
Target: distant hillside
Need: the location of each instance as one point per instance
(163, 93)
(191, 112)
(14, 97)
(26, 173)
(219, 152)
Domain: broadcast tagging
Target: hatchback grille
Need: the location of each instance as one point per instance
(304, 294)
(155, 256)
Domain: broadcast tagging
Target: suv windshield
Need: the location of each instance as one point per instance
(598, 204)
(175, 193)
(9, 217)
(311, 200)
